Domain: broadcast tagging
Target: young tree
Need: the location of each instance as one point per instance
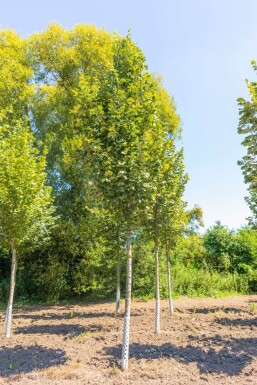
(174, 220)
(15, 96)
(119, 147)
(166, 172)
(26, 210)
(248, 127)
(171, 208)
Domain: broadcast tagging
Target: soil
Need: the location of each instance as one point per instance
(206, 341)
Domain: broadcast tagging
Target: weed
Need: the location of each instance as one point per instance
(14, 365)
(252, 308)
(85, 335)
(70, 315)
(219, 313)
(195, 330)
(115, 369)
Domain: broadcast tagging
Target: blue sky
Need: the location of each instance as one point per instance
(203, 50)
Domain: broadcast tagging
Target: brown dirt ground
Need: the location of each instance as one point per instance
(206, 341)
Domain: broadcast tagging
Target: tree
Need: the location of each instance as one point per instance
(164, 165)
(248, 127)
(217, 241)
(168, 182)
(26, 210)
(173, 215)
(195, 220)
(228, 250)
(125, 145)
(118, 149)
(15, 96)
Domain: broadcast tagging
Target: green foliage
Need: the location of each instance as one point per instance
(195, 220)
(80, 112)
(229, 250)
(190, 251)
(199, 282)
(25, 201)
(248, 127)
(15, 90)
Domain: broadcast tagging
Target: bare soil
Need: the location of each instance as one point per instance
(206, 341)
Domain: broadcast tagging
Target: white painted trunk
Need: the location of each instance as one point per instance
(11, 295)
(6, 312)
(125, 342)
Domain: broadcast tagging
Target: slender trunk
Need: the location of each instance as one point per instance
(169, 282)
(125, 342)
(12, 287)
(118, 281)
(157, 287)
(6, 311)
(157, 278)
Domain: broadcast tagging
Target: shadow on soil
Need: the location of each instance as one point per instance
(211, 310)
(229, 357)
(27, 359)
(71, 330)
(237, 322)
(69, 315)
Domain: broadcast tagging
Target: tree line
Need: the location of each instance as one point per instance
(92, 173)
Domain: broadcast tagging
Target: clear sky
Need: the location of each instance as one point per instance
(203, 50)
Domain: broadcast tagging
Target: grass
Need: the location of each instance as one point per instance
(115, 369)
(64, 373)
(85, 335)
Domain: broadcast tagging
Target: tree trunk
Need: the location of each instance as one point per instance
(157, 278)
(157, 287)
(12, 287)
(118, 281)
(6, 311)
(125, 342)
(169, 282)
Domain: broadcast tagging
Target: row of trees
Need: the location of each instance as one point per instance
(80, 112)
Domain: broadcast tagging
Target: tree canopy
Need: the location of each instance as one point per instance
(248, 127)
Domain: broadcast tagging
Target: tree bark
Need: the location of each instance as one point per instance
(125, 342)
(118, 280)
(12, 287)
(171, 309)
(157, 278)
